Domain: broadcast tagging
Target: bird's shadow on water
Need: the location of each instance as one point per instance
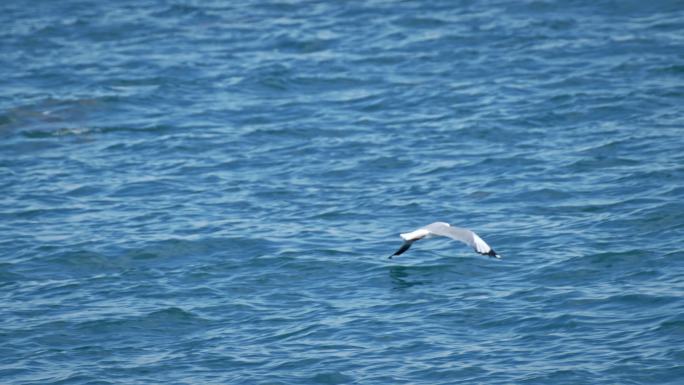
(399, 275)
(417, 273)
(429, 270)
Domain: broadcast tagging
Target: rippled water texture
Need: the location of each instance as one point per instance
(207, 192)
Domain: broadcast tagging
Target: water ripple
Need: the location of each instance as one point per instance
(208, 192)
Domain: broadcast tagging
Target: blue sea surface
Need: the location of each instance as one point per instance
(206, 192)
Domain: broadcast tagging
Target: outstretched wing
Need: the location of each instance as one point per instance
(403, 248)
(463, 235)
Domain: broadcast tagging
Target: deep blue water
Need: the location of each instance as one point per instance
(207, 192)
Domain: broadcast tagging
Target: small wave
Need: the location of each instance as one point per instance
(332, 378)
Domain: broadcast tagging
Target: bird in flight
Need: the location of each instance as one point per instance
(446, 230)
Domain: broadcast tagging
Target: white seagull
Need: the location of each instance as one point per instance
(446, 230)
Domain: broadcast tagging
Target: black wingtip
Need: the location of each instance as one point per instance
(402, 249)
(493, 254)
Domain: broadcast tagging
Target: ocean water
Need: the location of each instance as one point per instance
(206, 192)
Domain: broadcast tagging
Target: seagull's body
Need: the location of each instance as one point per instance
(446, 230)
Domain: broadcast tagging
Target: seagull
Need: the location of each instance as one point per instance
(446, 230)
